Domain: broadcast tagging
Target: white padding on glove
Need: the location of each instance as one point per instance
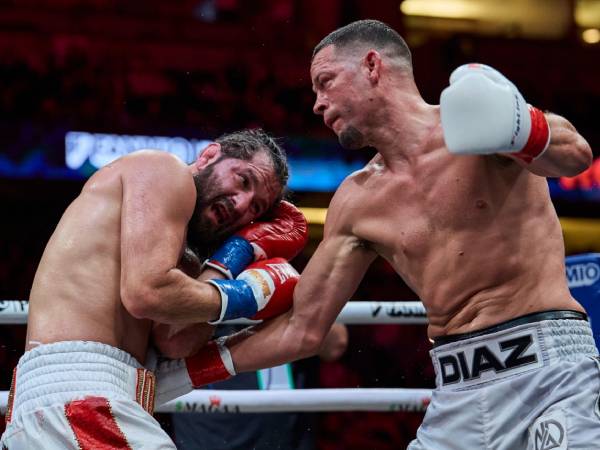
(482, 112)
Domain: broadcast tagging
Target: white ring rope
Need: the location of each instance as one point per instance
(356, 313)
(283, 400)
(301, 400)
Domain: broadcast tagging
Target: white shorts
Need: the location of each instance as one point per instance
(81, 396)
(532, 383)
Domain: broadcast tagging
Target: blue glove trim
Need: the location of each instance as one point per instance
(235, 254)
(240, 299)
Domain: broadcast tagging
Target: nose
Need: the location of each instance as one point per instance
(320, 105)
(242, 203)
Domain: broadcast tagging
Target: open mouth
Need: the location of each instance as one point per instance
(332, 121)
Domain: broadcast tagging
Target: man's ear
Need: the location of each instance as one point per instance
(372, 62)
(209, 155)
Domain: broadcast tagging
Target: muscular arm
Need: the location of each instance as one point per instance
(330, 278)
(158, 200)
(182, 340)
(567, 155)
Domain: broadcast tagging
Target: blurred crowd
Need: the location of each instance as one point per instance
(209, 67)
(38, 104)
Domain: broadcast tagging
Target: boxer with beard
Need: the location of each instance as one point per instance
(110, 270)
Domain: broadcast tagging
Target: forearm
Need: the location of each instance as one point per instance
(183, 339)
(278, 341)
(251, 349)
(327, 282)
(568, 153)
(176, 299)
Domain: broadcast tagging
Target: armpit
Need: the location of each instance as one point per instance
(363, 244)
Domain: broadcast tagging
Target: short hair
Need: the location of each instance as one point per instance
(369, 32)
(245, 144)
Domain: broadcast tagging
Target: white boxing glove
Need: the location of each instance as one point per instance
(482, 112)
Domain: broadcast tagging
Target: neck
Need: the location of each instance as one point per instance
(403, 127)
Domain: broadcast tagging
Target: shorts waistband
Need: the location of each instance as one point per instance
(64, 371)
(528, 318)
(492, 356)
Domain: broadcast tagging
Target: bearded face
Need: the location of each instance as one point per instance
(231, 193)
(204, 232)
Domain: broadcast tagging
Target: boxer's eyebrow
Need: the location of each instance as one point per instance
(252, 176)
(260, 203)
(317, 82)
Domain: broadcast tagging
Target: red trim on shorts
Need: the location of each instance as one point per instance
(94, 425)
(145, 390)
(538, 136)
(11, 396)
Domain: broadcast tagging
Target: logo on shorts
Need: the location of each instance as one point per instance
(549, 435)
(475, 363)
(549, 432)
(580, 275)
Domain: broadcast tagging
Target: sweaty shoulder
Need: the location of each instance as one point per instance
(159, 172)
(153, 161)
(148, 157)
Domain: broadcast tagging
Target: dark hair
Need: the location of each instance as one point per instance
(370, 32)
(245, 144)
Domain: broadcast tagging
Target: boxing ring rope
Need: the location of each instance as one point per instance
(284, 400)
(583, 275)
(353, 313)
(301, 400)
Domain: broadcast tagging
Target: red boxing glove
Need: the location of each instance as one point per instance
(269, 288)
(283, 277)
(283, 233)
(265, 289)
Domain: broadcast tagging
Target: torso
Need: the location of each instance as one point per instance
(76, 290)
(476, 237)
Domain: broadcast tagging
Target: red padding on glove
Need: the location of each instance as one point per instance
(285, 278)
(283, 234)
(538, 137)
(206, 366)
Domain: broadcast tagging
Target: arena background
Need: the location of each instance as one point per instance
(190, 70)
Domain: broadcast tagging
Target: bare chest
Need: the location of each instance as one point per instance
(406, 214)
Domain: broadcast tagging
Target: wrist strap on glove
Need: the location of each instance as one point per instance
(232, 257)
(539, 137)
(212, 363)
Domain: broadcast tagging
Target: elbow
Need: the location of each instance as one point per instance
(310, 344)
(335, 343)
(144, 296)
(581, 160)
(580, 157)
(300, 340)
(586, 155)
(140, 301)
